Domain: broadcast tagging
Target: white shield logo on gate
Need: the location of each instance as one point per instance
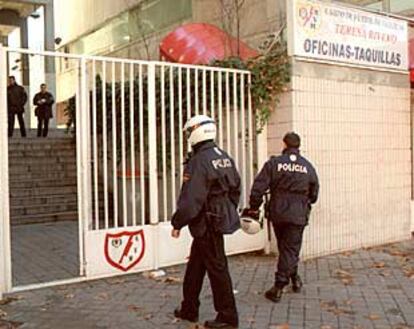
(124, 250)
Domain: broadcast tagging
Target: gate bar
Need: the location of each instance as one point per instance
(5, 247)
(152, 155)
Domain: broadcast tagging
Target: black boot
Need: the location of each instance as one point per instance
(218, 324)
(297, 283)
(178, 313)
(274, 294)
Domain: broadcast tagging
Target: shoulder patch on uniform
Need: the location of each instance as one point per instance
(216, 149)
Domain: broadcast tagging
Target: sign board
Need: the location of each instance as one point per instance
(328, 32)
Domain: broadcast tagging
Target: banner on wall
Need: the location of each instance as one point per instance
(328, 32)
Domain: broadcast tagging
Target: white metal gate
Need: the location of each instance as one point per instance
(130, 155)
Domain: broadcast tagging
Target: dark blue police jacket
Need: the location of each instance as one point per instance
(293, 185)
(210, 192)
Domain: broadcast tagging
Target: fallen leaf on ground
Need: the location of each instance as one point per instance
(332, 307)
(9, 324)
(134, 308)
(409, 273)
(172, 279)
(394, 311)
(347, 253)
(196, 326)
(326, 326)
(342, 273)
(348, 302)
(69, 296)
(165, 295)
(347, 281)
(116, 281)
(2, 314)
(328, 304)
(344, 276)
(148, 316)
(9, 300)
(279, 326)
(373, 317)
(398, 253)
(385, 274)
(251, 320)
(378, 265)
(102, 296)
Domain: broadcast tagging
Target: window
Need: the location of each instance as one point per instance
(149, 17)
(155, 15)
(399, 6)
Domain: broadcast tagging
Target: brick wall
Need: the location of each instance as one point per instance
(355, 126)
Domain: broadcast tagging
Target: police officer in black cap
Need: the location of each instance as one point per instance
(208, 205)
(293, 185)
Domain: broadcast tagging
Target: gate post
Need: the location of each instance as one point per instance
(83, 161)
(5, 252)
(262, 157)
(152, 154)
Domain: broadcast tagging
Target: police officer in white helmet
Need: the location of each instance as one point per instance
(294, 187)
(208, 204)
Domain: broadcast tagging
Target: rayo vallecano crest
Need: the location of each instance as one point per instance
(124, 250)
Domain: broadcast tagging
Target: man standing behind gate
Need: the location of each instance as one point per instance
(208, 204)
(294, 186)
(43, 101)
(16, 99)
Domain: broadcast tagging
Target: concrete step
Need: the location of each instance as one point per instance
(39, 168)
(52, 160)
(45, 218)
(45, 175)
(22, 192)
(35, 154)
(42, 209)
(40, 200)
(41, 146)
(32, 138)
(53, 133)
(16, 182)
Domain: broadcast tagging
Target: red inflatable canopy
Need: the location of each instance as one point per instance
(202, 43)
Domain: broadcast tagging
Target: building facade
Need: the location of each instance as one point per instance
(355, 120)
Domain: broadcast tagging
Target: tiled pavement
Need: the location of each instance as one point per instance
(371, 288)
(44, 252)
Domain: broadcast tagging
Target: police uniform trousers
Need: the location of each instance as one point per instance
(208, 255)
(289, 242)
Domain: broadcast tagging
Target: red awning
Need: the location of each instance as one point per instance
(202, 43)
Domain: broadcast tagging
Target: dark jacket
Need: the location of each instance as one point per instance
(43, 109)
(16, 99)
(210, 192)
(293, 185)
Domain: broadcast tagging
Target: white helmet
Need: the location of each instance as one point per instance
(250, 225)
(200, 128)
